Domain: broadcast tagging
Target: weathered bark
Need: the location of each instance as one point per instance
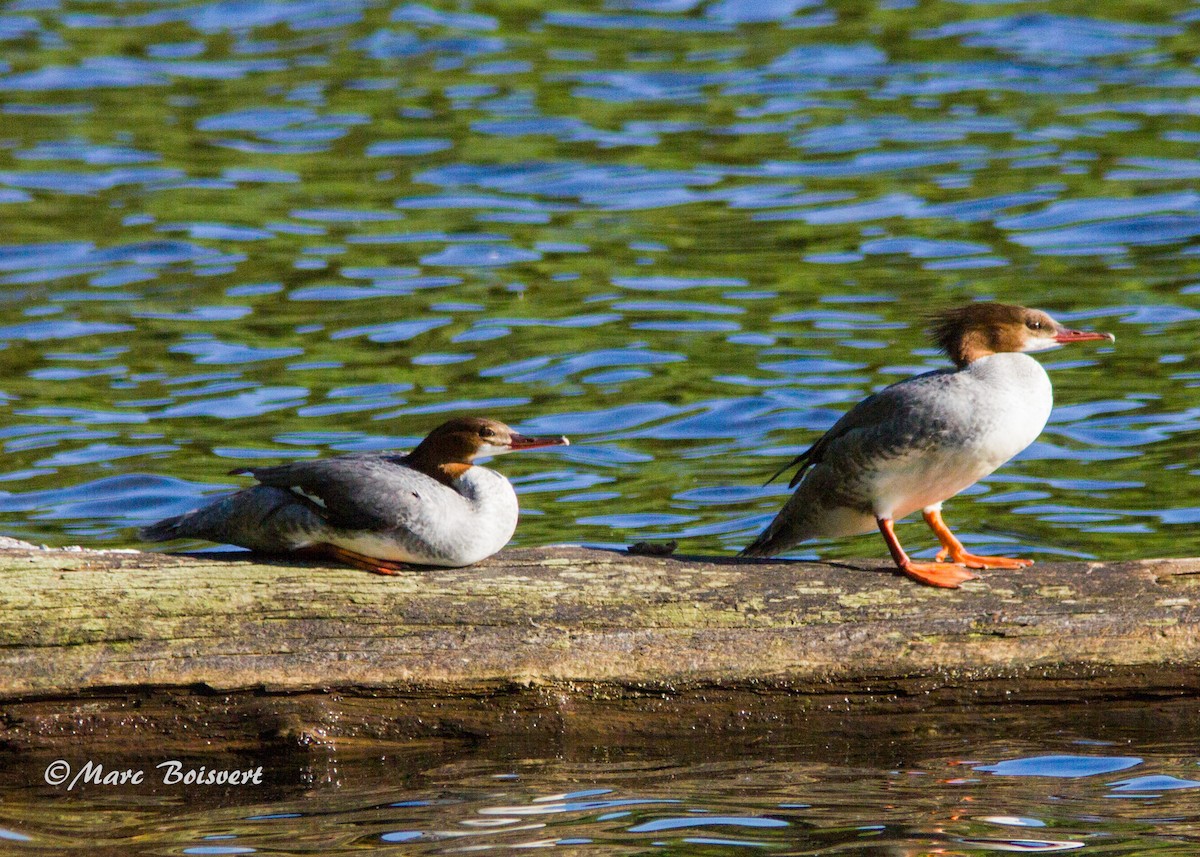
(540, 637)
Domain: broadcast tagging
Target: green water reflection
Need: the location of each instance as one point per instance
(1116, 778)
(687, 234)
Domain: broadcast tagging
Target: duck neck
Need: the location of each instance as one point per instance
(446, 472)
(968, 348)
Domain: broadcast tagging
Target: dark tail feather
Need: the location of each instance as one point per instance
(270, 520)
(787, 529)
(768, 542)
(762, 546)
(781, 533)
(799, 458)
(162, 531)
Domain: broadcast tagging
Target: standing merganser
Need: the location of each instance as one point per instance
(921, 441)
(433, 506)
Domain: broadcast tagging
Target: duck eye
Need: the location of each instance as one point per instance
(486, 432)
(1033, 324)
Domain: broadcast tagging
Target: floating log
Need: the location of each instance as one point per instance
(113, 642)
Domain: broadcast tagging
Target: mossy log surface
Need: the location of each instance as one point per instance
(562, 631)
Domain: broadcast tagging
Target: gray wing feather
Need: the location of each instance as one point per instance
(897, 417)
(895, 422)
(361, 492)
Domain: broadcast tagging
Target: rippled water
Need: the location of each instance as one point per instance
(688, 234)
(1121, 782)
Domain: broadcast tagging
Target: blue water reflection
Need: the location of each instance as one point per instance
(1060, 766)
(706, 821)
(688, 233)
(805, 797)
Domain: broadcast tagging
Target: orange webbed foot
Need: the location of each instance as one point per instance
(953, 550)
(945, 575)
(940, 574)
(384, 566)
(970, 560)
(366, 563)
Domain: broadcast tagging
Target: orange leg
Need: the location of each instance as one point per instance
(358, 560)
(953, 548)
(931, 573)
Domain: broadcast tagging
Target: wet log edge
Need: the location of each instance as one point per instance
(116, 645)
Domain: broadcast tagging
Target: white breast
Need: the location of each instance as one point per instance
(995, 408)
(448, 527)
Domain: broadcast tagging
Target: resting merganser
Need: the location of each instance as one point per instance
(433, 506)
(921, 441)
